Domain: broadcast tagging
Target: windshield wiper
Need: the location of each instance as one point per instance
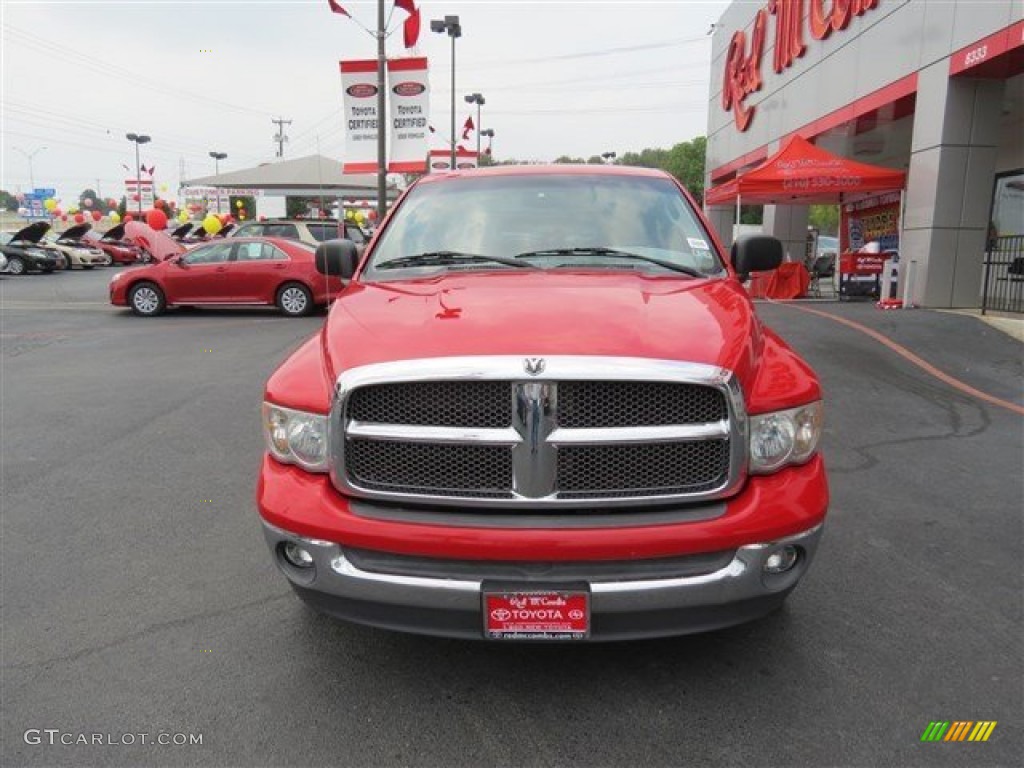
(600, 251)
(446, 258)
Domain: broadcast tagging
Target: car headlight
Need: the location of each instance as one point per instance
(296, 437)
(784, 437)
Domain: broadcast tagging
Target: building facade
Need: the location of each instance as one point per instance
(933, 87)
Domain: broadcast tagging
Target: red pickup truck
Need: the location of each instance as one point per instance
(544, 408)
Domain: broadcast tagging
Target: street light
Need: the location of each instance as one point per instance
(489, 133)
(450, 25)
(138, 139)
(217, 157)
(476, 98)
(30, 155)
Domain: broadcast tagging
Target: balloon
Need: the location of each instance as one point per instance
(111, 202)
(360, 219)
(349, 215)
(128, 217)
(64, 217)
(73, 209)
(239, 204)
(212, 224)
(372, 215)
(163, 187)
(96, 215)
(56, 211)
(157, 219)
(87, 202)
(115, 217)
(182, 217)
(23, 211)
(135, 197)
(241, 216)
(79, 218)
(50, 204)
(159, 204)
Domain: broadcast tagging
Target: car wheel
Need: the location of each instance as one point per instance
(294, 300)
(146, 299)
(15, 266)
(67, 263)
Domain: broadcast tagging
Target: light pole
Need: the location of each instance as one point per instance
(138, 139)
(30, 155)
(476, 98)
(489, 133)
(450, 24)
(217, 157)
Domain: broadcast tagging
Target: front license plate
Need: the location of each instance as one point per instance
(536, 615)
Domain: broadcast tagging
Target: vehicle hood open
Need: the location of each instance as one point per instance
(33, 233)
(114, 234)
(73, 234)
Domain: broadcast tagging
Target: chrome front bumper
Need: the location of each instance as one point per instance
(738, 592)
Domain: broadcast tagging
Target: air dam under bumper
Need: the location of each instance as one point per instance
(620, 610)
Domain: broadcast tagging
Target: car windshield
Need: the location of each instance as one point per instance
(551, 221)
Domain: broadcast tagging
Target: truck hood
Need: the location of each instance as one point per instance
(537, 314)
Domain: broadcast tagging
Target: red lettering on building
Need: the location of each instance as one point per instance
(743, 70)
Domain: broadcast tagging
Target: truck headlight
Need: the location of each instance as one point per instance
(784, 437)
(296, 437)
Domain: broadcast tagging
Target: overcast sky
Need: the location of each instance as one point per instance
(577, 78)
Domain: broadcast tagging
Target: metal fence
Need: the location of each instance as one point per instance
(1003, 289)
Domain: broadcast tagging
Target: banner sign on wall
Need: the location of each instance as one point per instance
(409, 112)
(875, 219)
(441, 159)
(359, 93)
(143, 188)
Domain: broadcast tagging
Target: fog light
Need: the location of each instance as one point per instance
(781, 560)
(297, 556)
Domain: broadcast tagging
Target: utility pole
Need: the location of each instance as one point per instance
(382, 120)
(280, 137)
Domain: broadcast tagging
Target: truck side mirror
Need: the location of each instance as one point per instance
(755, 253)
(337, 258)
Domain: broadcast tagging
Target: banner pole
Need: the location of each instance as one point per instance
(382, 169)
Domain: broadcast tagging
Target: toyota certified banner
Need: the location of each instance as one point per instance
(409, 108)
(441, 159)
(359, 88)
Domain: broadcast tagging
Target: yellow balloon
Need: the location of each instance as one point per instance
(73, 209)
(360, 219)
(50, 204)
(212, 224)
(163, 187)
(350, 215)
(115, 217)
(239, 204)
(183, 217)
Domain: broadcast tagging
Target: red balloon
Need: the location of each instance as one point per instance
(372, 215)
(87, 202)
(57, 212)
(79, 218)
(112, 202)
(96, 215)
(157, 219)
(135, 197)
(64, 217)
(159, 203)
(128, 217)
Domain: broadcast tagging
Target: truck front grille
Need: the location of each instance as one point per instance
(478, 432)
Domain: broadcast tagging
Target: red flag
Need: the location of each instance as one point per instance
(411, 29)
(338, 9)
(467, 128)
(432, 130)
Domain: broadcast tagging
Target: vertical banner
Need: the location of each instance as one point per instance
(441, 159)
(359, 91)
(409, 108)
(142, 188)
(874, 219)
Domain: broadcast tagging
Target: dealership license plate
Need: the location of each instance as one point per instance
(536, 615)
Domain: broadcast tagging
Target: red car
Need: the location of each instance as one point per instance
(238, 271)
(113, 244)
(544, 408)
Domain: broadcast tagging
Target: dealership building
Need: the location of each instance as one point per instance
(931, 87)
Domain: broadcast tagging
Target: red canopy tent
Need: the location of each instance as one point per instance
(803, 173)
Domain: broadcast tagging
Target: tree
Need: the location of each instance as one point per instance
(122, 207)
(248, 205)
(824, 218)
(8, 202)
(88, 194)
(566, 160)
(298, 207)
(685, 161)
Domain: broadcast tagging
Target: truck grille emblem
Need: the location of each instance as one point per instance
(534, 365)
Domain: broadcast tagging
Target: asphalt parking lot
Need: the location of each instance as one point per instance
(139, 597)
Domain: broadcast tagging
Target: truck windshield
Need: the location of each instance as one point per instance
(565, 221)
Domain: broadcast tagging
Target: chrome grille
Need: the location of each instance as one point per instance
(481, 471)
(494, 431)
(437, 403)
(597, 404)
(646, 469)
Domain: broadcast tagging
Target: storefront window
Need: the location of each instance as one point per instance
(1008, 205)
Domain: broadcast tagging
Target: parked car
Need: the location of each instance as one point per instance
(270, 271)
(3, 263)
(77, 253)
(112, 243)
(544, 408)
(26, 251)
(310, 231)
